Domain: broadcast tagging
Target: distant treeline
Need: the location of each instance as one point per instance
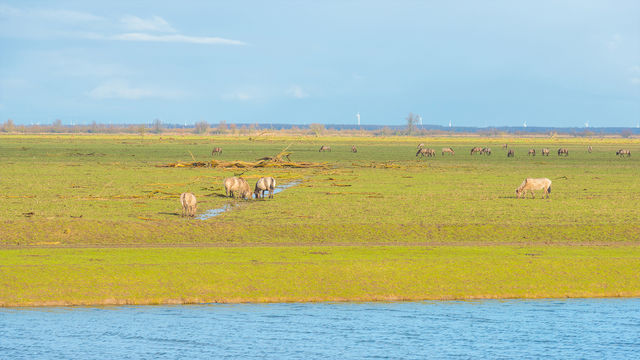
(202, 127)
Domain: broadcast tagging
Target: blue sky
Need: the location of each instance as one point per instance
(476, 63)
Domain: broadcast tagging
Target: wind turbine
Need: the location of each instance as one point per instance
(358, 118)
(420, 120)
(525, 123)
(586, 124)
(449, 122)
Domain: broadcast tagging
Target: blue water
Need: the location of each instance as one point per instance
(517, 329)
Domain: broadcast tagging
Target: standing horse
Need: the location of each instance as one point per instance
(564, 151)
(216, 151)
(532, 152)
(545, 151)
(353, 149)
(623, 152)
(324, 148)
(589, 149)
(448, 150)
(189, 204)
(264, 184)
(510, 153)
(426, 152)
(531, 184)
(237, 184)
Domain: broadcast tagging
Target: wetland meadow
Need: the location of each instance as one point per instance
(95, 219)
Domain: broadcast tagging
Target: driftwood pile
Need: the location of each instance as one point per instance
(281, 160)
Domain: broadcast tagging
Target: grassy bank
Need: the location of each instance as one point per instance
(95, 220)
(276, 274)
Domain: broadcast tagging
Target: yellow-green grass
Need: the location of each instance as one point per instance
(31, 277)
(105, 190)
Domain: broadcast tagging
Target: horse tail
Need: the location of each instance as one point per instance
(549, 189)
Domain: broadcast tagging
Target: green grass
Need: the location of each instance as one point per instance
(101, 190)
(279, 274)
(92, 219)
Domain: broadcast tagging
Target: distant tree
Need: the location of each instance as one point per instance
(156, 126)
(222, 127)
(8, 126)
(233, 128)
(142, 129)
(412, 122)
(316, 129)
(201, 127)
(626, 133)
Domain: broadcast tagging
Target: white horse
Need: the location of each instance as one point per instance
(534, 184)
(237, 184)
(264, 184)
(189, 204)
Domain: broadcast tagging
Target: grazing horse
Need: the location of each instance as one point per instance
(589, 149)
(505, 146)
(510, 153)
(237, 184)
(486, 151)
(353, 149)
(532, 152)
(426, 152)
(564, 151)
(545, 151)
(324, 148)
(217, 150)
(623, 152)
(476, 150)
(189, 204)
(534, 184)
(263, 184)
(448, 150)
(420, 146)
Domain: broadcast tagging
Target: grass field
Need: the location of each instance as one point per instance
(99, 192)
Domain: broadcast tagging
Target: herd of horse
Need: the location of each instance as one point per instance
(239, 187)
(235, 187)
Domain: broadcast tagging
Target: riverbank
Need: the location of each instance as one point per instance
(118, 276)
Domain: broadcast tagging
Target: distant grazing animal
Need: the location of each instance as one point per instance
(476, 150)
(239, 185)
(189, 204)
(505, 146)
(623, 152)
(545, 151)
(590, 149)
(420, 146)
(324, 148)
(426, 152)
(532, 152)
(486, 151)
(534, 184)
(448, 150)
(564, 151)
(216, 151)
(264, 184)
(353, 149)
(510, 153)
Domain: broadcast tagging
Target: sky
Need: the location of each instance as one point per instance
(474, 63)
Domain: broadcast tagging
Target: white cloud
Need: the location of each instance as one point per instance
(615, 41)
(155, 23)
(46, 23)
(177, 38)
(238, 96)
(120, 89)
(297, 92)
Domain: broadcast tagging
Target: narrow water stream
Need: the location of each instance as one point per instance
(226, 207)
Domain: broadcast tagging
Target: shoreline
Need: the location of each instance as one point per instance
(380, 299)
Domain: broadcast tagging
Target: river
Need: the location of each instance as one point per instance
(511, 329)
